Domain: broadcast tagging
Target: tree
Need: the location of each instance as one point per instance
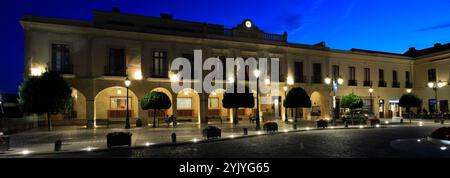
(297, 98)
(352, 102)
(46, 94)
(237, 100)
(409, 101)
(155, 100)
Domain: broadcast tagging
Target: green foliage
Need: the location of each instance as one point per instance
(410, 100)
(238, 100)
(48, 93)
(351, 101)
(155, 100)
(297, 98)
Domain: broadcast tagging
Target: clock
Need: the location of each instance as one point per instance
(248, 24)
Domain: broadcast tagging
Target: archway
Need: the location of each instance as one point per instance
(110, 103)
(188, 106)
(78, 105)
(317, 107)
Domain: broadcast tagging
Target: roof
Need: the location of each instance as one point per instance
(413, 52)
(375, 52)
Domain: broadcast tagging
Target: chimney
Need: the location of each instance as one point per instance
(116, 9)
(166, 16)
(437, 45)
(412, 49)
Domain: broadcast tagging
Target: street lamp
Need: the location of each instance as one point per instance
(371, 101)
(409, 90)
(127, 121)
(332, 82)
(285, 88)
(257, 73)
(435, 86)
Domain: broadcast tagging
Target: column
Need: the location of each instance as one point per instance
(90, 116)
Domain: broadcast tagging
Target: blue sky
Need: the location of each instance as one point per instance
(384, 25)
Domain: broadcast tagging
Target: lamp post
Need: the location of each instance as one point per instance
(331, 82)
(127, 121)
(285, 88)
(371, 101)
(409, 90)
(257, 73)
(435, 86)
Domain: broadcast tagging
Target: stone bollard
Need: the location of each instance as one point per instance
(245, 131)
(58, 145)
(346, 124)
(174, 137)
(401, 121)
(442, 121)
(295, 126)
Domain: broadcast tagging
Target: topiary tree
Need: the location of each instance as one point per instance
(235, 100)
(46, 94)
(297, 98)
(352, 102)
(409, 101)
(155, 100)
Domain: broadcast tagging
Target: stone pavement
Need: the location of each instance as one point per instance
(80, 138)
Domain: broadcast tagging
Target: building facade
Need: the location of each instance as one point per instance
(95, 57)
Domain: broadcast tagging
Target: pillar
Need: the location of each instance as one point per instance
(90, 113)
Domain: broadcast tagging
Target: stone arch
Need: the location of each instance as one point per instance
(110, 103)
(317, 105)
(78, 104)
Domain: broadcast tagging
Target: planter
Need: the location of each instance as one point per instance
(118, 139)
(374, 122)
(271, 127)
(212, 132)
(322, 124)
(139, 123)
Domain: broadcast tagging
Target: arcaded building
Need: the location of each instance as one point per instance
(95, 57)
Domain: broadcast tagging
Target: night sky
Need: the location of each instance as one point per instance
(385, 25)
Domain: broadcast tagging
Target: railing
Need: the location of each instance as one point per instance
(382, 84)
(352, 83)
(368, 83)
(115, 71)
(301, 79)
(316, 79)
(273, 37)
(408, 85)
(63, 69)
(395, 84)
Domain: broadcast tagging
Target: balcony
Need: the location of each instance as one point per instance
(115, 71)
(395, 84)
(63, 69)
(352, 83)
(316, 79)
(382, 84)
(301, 79)
(408, 85)
(367, 83)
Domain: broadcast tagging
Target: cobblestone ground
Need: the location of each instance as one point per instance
(331, 143)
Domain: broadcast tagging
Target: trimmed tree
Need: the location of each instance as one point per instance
(297, 98)
(352, 102)
(46, 94)
(155, 100)
(234, 100)
(409, 101)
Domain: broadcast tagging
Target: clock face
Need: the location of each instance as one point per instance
(248, 24)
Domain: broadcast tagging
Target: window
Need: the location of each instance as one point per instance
(394, 76)
(335, 71)
(381, 74)
(317, 73)
(298, 67)
(213, 103)
(351, 73)
(432, 75)
(61, 58)
(116, 62)
(160, 64)
(119, 103)
(366, 74)
(190, 57)
(407, 77)
(184, 103)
